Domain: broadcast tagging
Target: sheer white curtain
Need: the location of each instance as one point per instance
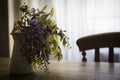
(86, 17)
(79, 18)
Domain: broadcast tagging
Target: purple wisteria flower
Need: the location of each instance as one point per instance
(34, 22)
(33, 10)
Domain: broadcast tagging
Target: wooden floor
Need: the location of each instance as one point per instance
(67, 71)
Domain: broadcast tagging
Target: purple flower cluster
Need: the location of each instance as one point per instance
(33, 21)
(33, 32)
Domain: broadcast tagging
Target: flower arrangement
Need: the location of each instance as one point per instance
(42, 36)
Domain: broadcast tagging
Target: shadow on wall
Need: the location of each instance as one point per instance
(4, 37)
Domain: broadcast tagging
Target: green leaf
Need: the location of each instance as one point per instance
(51, 12)
(64, 41)
(56, 37)
(61, 38)
(19, 23)
(44, 8)
(34, 65)
(43, 18)
(16, 28)
(49, 40)
(60, 56)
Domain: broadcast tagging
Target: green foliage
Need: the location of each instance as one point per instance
(42, 36)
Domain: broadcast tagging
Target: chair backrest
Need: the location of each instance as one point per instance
(98, 41)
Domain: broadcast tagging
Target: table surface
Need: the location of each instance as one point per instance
(67, 70)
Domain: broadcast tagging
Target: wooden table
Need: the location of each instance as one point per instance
(67, 70)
